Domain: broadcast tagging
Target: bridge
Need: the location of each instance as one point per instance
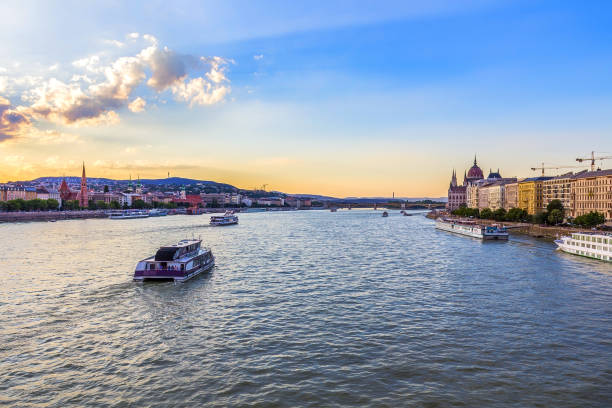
(390, 205)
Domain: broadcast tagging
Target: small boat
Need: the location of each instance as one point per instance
(128, 214)
(407, 215)
(333, 209)
(177, 262)
(385, 214)
(596, 245)
(229, 218)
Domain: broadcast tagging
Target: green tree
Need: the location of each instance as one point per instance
(516, 215)
(486, 214)
(139, 204)
(106, 190)
(541, 218)
(555, 216)
(101, 205)
(52, 204)
(590, 220)
(92, 205)
(115, 205)
(555, 205)
(499, 214)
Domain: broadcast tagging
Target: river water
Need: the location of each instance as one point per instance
(308, 308)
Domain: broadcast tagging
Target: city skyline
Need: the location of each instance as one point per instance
(308, 98)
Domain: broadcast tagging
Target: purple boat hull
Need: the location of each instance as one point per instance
(177, 275)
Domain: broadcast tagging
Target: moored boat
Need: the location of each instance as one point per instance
(229, 218)
(472, 229)
(128, 214)
(177, 262)
(596, 245)
(158, 212)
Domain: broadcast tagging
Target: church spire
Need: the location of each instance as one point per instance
(475, 160)
(83, 199)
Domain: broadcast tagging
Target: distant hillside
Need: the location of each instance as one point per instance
(174, 181)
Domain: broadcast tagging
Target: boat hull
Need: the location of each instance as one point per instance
(177, 276)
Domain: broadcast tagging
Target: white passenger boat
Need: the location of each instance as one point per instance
(157, 212)
(128, 214)
(178, 262)
(472, 229)
(596, 245)
(228, 218)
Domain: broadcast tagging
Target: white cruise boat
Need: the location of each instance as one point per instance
(471, 229)
(596, 245)
(128, 214)
(228, 218)
(178, 262)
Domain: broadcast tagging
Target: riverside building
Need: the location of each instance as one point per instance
(530, 197)
(592, 191)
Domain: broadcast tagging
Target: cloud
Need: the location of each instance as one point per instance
(12, 122)
(258, 57)
(137, 105)
(96, 95)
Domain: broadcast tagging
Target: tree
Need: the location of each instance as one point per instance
(541, 218)
(499, 214)
(214, 203)
(555, 216)
(555, 205)
(486, 214)
(92, 205)
(106, 190)
(590, 220)
(115, 205)
(52, 204)
(516, 215)
(139, 204)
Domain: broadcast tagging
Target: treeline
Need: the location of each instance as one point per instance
(37, 204)
(554, 215)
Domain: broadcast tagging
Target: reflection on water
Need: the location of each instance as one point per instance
(302, 309)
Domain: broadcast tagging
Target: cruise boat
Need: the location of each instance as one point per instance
(128, 214)
(157, 212)
(471, 229)
(228, 218)
(596, 245)
(178, 262)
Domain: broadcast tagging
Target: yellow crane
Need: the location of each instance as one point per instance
(592, 159)
(543, 167)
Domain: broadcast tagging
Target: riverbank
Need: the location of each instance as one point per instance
(22, 216)
(533, 230)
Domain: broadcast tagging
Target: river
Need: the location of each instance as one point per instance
(305, 308)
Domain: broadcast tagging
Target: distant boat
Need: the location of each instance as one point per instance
(128, 214)
(227, 219)
(156, 212)
(333, 209)
(385, 214)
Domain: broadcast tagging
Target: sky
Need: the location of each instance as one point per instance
(341, 98)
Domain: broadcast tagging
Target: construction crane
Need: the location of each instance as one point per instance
(592, 159)
(543, 167)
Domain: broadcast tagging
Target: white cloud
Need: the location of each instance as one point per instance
(137, 105)
(54, 67)
(95, 96)
(258, 57)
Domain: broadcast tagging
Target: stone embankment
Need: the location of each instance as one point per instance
(22, 216)
(533, 230)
